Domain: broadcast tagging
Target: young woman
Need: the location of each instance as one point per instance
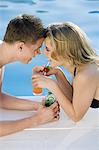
(66, 44)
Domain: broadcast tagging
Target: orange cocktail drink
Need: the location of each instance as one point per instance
(38, 90)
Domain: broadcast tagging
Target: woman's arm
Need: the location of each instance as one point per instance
(61, 79)
(84, 87)
(83, 92)
(64, 84)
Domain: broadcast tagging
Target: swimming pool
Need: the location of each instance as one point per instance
(85, 13)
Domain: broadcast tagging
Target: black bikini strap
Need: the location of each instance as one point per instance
(75, 69)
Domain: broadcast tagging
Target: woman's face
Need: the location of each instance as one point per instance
(48, 51)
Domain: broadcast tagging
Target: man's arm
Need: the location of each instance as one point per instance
(44, 115)
(9, 127)
(10, 102)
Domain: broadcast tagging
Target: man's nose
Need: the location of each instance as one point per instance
(38, 51)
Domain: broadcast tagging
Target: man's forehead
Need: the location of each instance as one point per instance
(39, 41)
(37, 45)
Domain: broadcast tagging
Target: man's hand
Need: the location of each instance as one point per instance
(48, 114)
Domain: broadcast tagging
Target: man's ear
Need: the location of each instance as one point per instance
(20, 46)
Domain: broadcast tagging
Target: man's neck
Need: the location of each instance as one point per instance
(6, 55)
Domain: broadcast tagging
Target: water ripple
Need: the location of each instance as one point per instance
(94, 12)
(42, 11)
(3, 6)
(92, 0)
(47, 0)
(19, 1)
(32, 3)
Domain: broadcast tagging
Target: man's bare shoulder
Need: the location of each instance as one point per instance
(1, 75)
(1, 41)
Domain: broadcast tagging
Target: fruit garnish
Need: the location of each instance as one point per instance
(46, 69)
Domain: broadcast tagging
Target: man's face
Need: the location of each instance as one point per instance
(30, 50)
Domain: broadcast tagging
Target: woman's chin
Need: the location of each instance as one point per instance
(53, 65)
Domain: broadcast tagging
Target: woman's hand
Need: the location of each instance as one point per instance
(43, 81)
(38, 69)
(52, 71)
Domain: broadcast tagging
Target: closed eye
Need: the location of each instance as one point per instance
(47, 49)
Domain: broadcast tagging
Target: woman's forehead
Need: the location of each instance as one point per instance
(48, 41)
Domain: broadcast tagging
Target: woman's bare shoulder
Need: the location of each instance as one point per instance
(90, 74)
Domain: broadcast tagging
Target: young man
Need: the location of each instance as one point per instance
(22, 41)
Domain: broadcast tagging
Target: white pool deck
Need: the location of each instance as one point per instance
(61, 135)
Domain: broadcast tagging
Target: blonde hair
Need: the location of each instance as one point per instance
(71, 44)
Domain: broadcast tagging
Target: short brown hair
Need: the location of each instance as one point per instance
(26, 28)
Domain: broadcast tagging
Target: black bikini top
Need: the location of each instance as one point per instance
(95, 102)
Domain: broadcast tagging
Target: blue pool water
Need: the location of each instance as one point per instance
(85, 13)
